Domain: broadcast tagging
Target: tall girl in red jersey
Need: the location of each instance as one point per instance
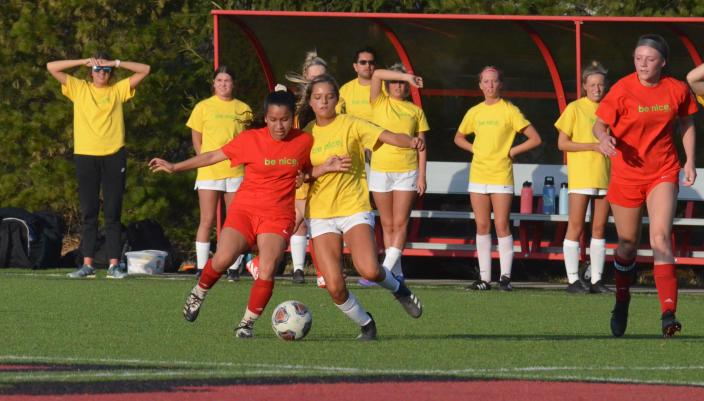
(635, 124)
(262, 210)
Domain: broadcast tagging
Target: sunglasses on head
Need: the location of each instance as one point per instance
(365, 62)
(97, 68)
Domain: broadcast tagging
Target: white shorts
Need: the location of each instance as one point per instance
(223, 185)
(588, 191)
(339, 225)
(489, 188)
(380, 181)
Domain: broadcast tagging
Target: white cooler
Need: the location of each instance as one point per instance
(147, 261)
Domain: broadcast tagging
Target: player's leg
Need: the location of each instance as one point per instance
(402, 204)
(207, 203)
(501, 204)
(597, 245)
(570, 246)
(299, 243)
(481, 206)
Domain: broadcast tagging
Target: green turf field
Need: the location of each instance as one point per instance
(133, 330)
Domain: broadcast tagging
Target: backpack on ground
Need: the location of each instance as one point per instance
(148, 234)
(30, 240)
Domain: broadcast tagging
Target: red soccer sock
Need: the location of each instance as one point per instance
(209, 276)
(259, 295)
(624, 279)
(666, 283)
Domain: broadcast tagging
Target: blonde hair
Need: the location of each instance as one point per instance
(398, 67)
(310, 60)
(498, 72)
(593, 68)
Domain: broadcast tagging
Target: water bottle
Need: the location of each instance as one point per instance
(549, 195)
(564, 205)
(527, 198)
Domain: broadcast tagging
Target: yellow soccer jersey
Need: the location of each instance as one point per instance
(401, 117)
(587, 169)
(341, 194)
(354, 100)
(219, 121)
(98, 122)
(494, 127)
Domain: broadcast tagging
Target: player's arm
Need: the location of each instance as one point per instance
(695, 78)
(201, 160)
(197, 139)
(689, 145)
(566, 144)
(462, 142)
(379, 76)
(56, 68)
(400, 140)
(607, 143)
(421, 183)
(532, 142)
(334, 164)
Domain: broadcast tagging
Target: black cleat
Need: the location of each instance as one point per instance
(505, 283)
(298, 277)
(577, 287)
(368, 330)
(233, 275)
(192, 306)
(408, 300)
(599, 288)
(670, 324)
(619, 318)
(245, 330)
(479, 285)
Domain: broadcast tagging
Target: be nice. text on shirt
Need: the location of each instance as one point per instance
(280, 162)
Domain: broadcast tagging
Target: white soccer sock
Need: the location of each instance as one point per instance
(238, 263)
(597, 254)
(298, 251)
(506, 255)
(249, 316)
(200, 291)
(390, 282)
(392, 255)
(202, 253)
(484, 256)
(571, 251)
(354, 311)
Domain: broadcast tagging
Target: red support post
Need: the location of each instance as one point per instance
(259, 51)
(403, 55)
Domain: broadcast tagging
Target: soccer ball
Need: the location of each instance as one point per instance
(291, 320)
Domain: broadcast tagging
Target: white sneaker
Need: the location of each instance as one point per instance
(84, 272)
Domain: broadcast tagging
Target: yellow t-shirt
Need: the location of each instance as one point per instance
(354, 100)
(98, 122)
(341, 194)
(219, 121)
(494, 127)
(401, 117)
(587, 169)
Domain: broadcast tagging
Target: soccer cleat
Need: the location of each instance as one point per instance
(409, 301)
(479, 285)
(233, 275)
(619, 318)
(577, 287)
(84, 272)
(244, 330)
(298, 277)
(368, 330)
(114, 271)
(599, 288)
(670, 324)
(321, 282)
(192, 306)
(505, 283)
(253, 268)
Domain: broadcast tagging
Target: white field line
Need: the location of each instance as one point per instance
(253, 369)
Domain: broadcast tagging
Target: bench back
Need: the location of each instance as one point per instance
(452, 178)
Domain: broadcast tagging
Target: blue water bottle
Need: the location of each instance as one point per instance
(549, 195)
(564, 203)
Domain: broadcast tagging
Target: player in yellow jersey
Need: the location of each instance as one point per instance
(338, 203)
(494, 123)
(396, 174)
(695, 78)
(98, 146)
(355, 94)
(214, 122)
(587, 178)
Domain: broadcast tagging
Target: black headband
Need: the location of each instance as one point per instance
(655, 44)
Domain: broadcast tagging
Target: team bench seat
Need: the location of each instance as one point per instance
(451, 178)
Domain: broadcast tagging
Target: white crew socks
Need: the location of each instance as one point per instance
(571, 251)
(390, 282)
(298, 251)
(237, 264)
(249, 316)
(202, 254)
(393, 255)
(506, 255)
(597, 254)
(484, 256)
(354, 310)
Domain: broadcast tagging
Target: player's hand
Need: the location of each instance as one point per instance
(338, 163)
(300, 178)
(156, 165)
(690, 174)
(415, 81)
(417, 143)
(421, 185)
(607, 146)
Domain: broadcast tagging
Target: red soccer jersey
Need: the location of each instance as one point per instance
(642, 120)
(270, 169)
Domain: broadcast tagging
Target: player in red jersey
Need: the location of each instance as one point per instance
(262, 210)
(635, 124)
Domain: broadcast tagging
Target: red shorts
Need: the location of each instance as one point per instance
(627, 195)
(250, 225)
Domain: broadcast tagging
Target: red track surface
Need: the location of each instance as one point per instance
(397, 391)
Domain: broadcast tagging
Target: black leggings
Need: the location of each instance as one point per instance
(92, 173)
